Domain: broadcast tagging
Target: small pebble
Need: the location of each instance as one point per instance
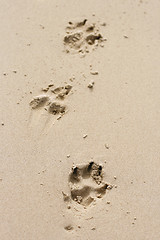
(91, 84)
(85, 135)
(68, 156)
(94, 73)
(108, 202)
(115, 177)
(106, 146)
(109, 187)
(45, 89)
(68, 228)
(50, 85)
(14, 71)
(135, 218)
(2, 123)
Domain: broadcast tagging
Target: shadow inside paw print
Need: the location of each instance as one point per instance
(86, 183)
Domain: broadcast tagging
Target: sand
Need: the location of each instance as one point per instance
(79, 120)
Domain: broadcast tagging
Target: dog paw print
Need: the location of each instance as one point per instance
(53, 101)
(82, 37)
(39, 101)
(86, 184)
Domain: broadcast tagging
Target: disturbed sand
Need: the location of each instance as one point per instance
(79, 120)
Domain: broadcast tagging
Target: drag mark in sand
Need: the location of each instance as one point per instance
(47, 105)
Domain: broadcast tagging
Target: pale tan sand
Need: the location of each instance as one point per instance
(110, 116)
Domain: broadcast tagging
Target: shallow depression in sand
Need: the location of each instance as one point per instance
(86, 183)
(82, 37)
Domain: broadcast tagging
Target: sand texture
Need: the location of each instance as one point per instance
(79, 120)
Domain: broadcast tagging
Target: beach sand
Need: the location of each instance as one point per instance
(79, 120)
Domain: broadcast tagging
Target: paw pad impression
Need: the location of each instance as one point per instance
(86, 183)
(82, 37)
